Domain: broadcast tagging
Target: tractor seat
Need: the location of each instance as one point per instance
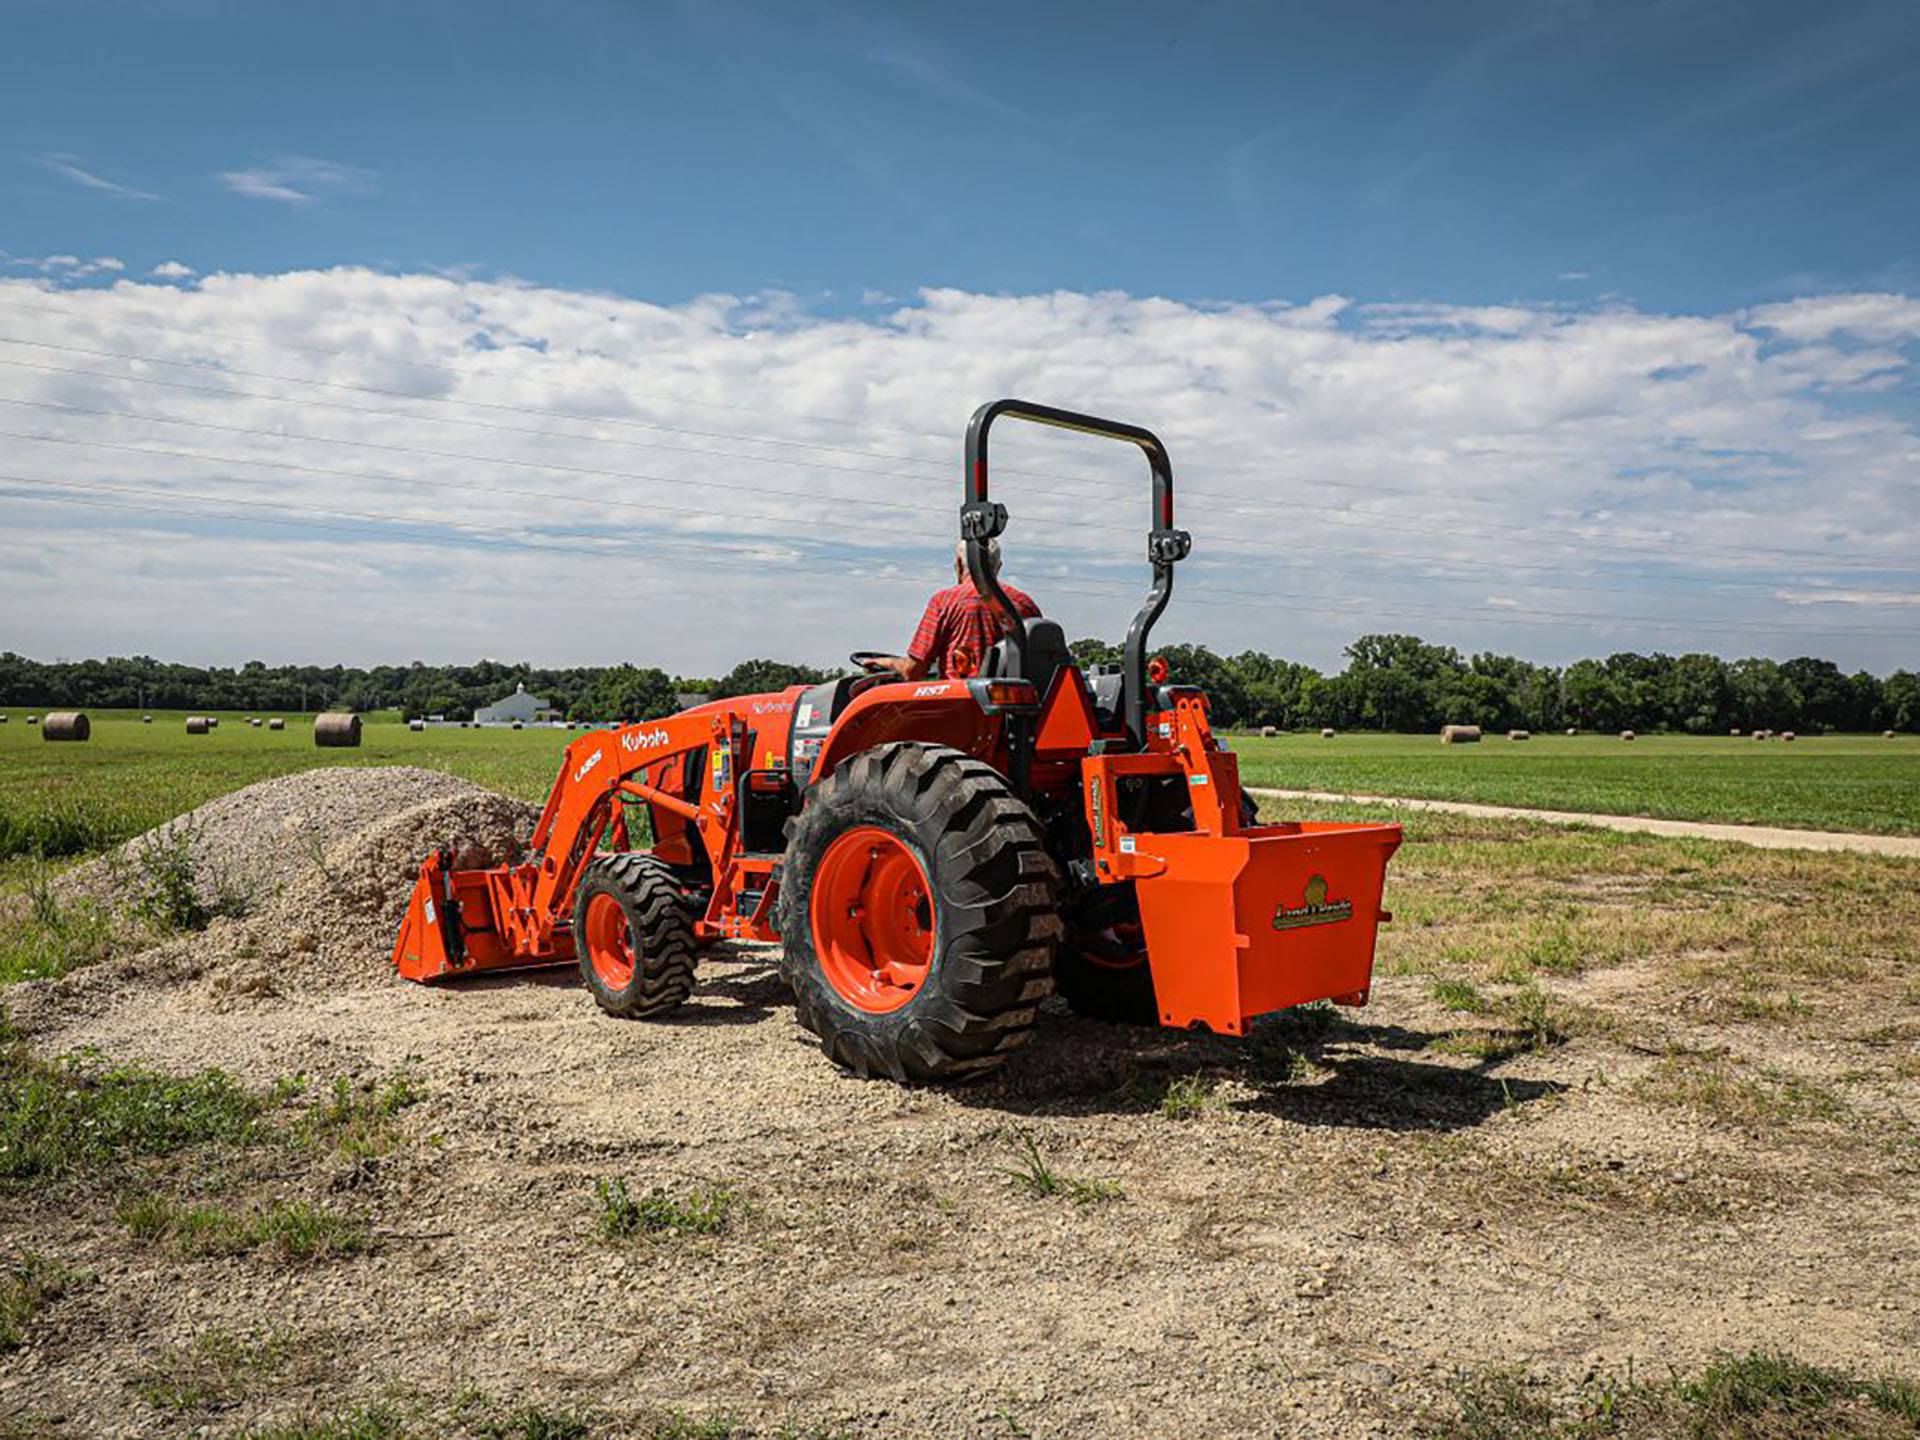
(1047, 652)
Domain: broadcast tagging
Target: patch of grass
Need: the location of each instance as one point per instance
(1178, 1097)
(26, 1285)
(371, 1422)
(49, 939)
(678, 1425)
(1829, 782)
(61, 800)
(1534, 1022)
(358, 1118)
(1762, 1395)
(213, 1372)
(1459, 995)
(1187, 1096)
(1718, 1090)
(60, 1116)
(290, 1231)
(536, 1422)
(1036, 1176)
(701, 1210)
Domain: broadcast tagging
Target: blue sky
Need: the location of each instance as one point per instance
(1691, 156)
(351, 332)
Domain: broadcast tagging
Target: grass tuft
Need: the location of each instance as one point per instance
(537, 1422)
(1761, 1395)
(371, 1422)
(357, 1118)
(1035, 1175)
(26, 1286)
(295, 1231)
(702, 1210)
(215, 1371)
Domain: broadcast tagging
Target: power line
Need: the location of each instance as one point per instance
(464, 486)
(1299, 599)
(1234, 505)
(1358, 519)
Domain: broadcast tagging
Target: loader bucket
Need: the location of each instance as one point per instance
(1278, 915)
(449, 927)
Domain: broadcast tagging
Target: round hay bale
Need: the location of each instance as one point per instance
(253, 721)
(1884, 734)
(1267, 732)
(1572, 730)
(66, 725)
(1786, 735)
(213, 722)
(1626, 735)
(336, 728)
(197, 725)
(1519, 734)
(518, 725)
(416, 725)
(276, 723)
(33, 719)
(146, 719)
(1459, 734)
(1734, 733)
(1327, 734)
(3, 720)
(1763, 734)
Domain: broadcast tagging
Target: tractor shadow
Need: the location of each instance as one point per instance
(1313, 1066)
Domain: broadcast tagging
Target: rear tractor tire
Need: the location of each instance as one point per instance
(633, 936)
(918, 910)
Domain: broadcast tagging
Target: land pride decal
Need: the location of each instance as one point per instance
(1318, 910)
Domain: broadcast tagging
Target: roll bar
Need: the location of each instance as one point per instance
(981, 519)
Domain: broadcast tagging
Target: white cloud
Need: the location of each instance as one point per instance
(1876, 317)
(297, 180)
(69, 167)
(172, 270)
(689, 484)
(69, 267)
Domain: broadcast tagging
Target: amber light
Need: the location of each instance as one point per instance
(1010, 692)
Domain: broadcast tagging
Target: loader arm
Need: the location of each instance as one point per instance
(521, 915)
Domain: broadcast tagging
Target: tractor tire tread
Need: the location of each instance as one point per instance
(996, 890)
(665, 951)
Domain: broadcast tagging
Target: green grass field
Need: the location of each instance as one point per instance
(68, 799)
(1836, 782)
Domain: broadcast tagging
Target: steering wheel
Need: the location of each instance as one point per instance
(866, 659)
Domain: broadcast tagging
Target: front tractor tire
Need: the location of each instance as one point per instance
(918, 911)
(632, 936)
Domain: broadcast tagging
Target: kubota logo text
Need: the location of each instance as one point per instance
(643, 739)
(591, 761)
(1318, 910)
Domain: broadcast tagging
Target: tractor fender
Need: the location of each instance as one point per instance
(936, 712)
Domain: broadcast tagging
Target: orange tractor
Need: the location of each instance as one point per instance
(935, 858)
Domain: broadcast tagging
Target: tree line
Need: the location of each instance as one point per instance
(1390, 682)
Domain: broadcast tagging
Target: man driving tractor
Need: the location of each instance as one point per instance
(960, 624)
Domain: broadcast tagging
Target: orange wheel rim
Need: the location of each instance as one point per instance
(609, 942)
(872, 916)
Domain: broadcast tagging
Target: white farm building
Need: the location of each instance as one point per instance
(527, 709)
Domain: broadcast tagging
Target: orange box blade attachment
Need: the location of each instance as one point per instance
(1241, 925)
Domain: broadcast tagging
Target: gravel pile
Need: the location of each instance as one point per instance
(255, 841)
(321, 865)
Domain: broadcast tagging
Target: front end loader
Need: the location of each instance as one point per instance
(935, 857)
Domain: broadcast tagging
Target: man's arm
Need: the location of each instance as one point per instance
(921, 650)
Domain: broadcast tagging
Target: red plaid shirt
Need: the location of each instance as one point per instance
(960, 618)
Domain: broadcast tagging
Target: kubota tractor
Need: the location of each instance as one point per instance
(935, 857)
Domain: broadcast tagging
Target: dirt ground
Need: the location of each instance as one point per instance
(1666, 1107)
